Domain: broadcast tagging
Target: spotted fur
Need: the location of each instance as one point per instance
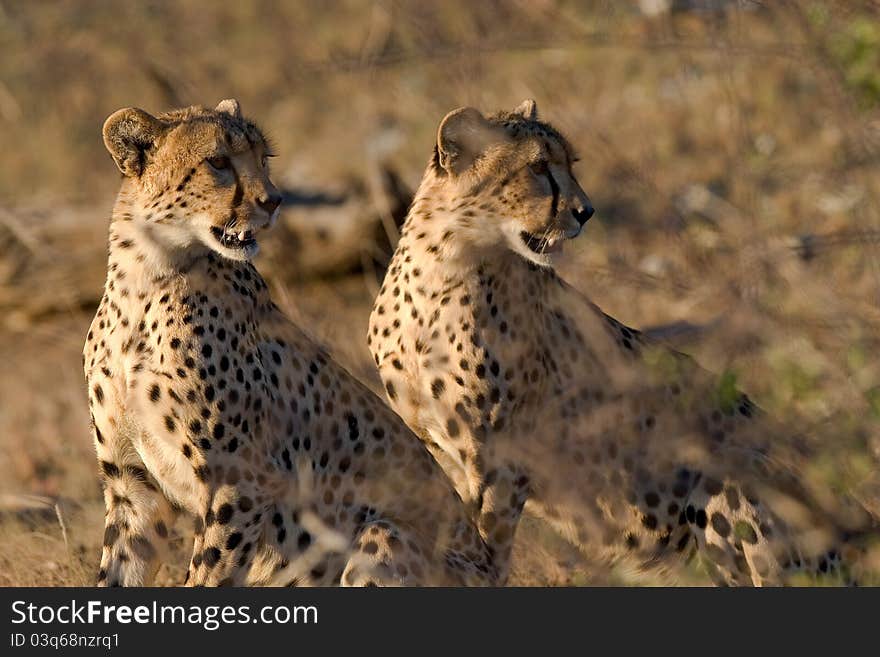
(525, 391)
(206, 399)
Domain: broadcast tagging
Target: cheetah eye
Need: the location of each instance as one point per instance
(219, 163)
(264, 161)
(540, 168)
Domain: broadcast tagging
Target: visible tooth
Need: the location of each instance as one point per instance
(242, 235)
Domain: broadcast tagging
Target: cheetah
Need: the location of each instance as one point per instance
(205, 399)
(523, 390)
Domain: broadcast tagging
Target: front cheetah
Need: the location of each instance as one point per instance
(524, 390)
(205, 398)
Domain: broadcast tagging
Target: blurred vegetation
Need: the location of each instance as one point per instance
(732, 153)
(855, 45)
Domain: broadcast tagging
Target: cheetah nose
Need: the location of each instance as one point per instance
(270, 203)
(583, 215)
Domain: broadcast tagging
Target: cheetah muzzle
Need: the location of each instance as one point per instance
(243, 240)
(541, 245)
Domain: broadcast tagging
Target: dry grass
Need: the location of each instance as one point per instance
(733, 159)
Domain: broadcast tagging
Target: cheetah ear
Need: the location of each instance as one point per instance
(528, 109)
(230, 106)
(128, 134)
(463, 134)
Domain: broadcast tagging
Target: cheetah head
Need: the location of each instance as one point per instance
(196, 178)
(510, 178)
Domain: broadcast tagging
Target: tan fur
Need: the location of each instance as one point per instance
(524, 390)
(205, 398)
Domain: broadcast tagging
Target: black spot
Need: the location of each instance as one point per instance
(155, 393)
(211, 556)
(224, 514)
(682, 542)
(353, 431)
(111, 533)
(732, 496)
(233, 540)
(720, 525)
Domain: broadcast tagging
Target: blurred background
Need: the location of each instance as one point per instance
(731, 148)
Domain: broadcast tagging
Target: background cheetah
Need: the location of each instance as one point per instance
(205, 398)
(524, 390)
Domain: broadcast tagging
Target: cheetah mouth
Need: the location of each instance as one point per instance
(242, 240)
(541, 245)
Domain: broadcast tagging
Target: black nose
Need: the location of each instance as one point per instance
(583, 215)
(270, 203)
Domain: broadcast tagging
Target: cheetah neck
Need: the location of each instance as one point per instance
(518, 308)
(146, 260)
(435, 259)
(495, 297)
(148, 250)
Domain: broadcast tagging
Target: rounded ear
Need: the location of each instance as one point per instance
(528, 109)
(128, 133)
(230, 106)
(463, 134)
